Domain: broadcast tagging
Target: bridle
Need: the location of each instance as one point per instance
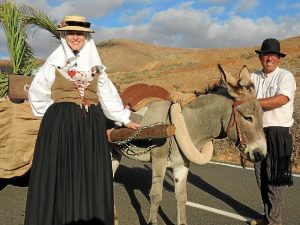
(233, 120)
(240, 142)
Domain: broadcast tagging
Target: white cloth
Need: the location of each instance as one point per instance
(39, 93)
(86, 58)
(278, 82)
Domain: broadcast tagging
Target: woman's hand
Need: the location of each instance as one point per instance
(133, 125)
(108, 132)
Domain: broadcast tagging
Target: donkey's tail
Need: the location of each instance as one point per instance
(201, 156)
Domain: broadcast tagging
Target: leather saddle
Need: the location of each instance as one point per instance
(139, 95)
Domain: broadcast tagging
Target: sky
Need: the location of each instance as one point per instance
(170, 23)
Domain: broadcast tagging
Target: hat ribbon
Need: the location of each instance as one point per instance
(74, 23)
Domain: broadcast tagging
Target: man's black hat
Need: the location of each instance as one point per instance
(270, 45)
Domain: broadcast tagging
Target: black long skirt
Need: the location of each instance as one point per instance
(71, 174)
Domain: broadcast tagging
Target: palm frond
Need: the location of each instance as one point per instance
(35, 17)
(15, 20)
(3, 85)
(21, 54)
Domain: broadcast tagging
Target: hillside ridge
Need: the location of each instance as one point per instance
(185, 69)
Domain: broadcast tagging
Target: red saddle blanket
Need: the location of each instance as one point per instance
(138, 95)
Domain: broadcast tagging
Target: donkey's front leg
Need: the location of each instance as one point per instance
(159, 166)
(180, 177)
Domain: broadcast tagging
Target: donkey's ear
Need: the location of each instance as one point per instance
(245, 79)
(227, 77)
(230, 82)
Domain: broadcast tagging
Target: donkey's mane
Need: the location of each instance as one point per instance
(215, 87)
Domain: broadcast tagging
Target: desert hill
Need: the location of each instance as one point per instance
(184, 69)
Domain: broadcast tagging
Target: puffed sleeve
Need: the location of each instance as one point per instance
(110, 100)
(39, 93)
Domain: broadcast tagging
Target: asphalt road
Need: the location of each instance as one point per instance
(217, 195)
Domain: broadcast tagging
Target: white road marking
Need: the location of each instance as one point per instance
(218, 211)
(231, 165)
(235, 166)
(222, 212)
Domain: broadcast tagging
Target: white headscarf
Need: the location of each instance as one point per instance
(87, 57)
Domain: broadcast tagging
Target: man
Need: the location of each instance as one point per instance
(275, 89)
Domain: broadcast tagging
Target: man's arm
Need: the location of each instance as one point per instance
(273, 102)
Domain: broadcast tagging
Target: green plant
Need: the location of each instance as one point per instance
(3, 85)
(15, 20)
(35, 17)
(21, 55)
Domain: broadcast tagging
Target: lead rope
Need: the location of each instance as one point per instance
(241, 144)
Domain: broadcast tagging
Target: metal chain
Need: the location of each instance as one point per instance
(129, 151)
(170, 148)
(125, 146)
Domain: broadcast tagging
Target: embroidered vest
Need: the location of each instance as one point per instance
(64, 90)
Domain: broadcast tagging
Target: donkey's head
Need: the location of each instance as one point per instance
(245, 124)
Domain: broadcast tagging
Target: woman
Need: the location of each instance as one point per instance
(71, 175)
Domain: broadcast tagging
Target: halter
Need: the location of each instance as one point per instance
(233, 120)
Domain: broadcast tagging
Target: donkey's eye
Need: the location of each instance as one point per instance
(248, 118)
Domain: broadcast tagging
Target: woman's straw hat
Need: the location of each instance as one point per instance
(77, 23)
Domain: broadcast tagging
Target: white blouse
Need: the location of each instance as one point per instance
(39, 95)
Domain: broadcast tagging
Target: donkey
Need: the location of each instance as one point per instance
(234, 113)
